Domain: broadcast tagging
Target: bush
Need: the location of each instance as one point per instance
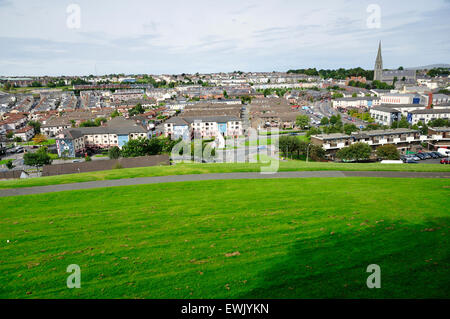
(355, 152)
(88, 159)
(118, 166)
(114, 152)
(9, 164)
(388, 152)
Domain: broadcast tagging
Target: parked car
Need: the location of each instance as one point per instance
(439, 155)
(432, 155)
(411, 161)
(427, 156)
(445, 161)
(421, 156)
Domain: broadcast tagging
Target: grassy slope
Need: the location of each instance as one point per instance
(295, 238)
(196, 168)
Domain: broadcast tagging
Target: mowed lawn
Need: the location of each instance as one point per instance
(280, 238)
(201, 168)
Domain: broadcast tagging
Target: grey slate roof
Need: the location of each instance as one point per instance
(431, 111)
(117, 125)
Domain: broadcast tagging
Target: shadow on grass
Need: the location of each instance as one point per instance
(414, 261)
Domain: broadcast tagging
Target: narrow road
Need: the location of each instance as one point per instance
(219, 176)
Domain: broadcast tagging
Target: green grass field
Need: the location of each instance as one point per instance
(198, 168)
(50, 141)
(280, 238)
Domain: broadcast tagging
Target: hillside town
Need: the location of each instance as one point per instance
(82, 116)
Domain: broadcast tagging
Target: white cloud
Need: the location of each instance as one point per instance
(186, 36)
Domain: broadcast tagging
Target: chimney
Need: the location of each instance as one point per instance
(430, 100)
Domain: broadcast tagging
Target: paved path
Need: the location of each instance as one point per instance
(219, 176)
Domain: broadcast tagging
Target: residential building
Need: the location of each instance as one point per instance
(427, 115)
(356, 102)
(385, 115)
(203, 126)
(24, 133)
(116, 132)
(403, 138)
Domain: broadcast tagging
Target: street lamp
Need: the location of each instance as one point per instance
(307, 151)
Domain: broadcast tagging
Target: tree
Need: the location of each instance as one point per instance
(324, 121)
(288, 144)
(141, 147)
(313, 131)
(388, 152)
(39, 139)
(10, 134)
(302, 121)
(36, 84)
(99, 121)
(438, 122)
(225, 94)
(114, 152)
(350, 128)
(423, 128)
(7, 86)
(246, 99)
(135, 147)
(37, 159)
(316, 152)
(115, 114)
(138, 109)
(36, 126)
(334, 119)
(88, 123)
(355, 152)
(403, 123)
(9, 164)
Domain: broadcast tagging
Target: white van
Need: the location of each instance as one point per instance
(444, 151)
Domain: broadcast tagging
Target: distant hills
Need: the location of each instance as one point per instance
(428, 67)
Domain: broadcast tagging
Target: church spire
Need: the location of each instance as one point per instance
(378, 70)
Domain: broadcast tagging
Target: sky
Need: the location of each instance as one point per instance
(85, 37)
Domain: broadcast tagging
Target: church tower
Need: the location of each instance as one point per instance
(378, 70)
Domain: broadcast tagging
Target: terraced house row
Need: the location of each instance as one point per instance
(403, 138)
(203, 126)
(117, 132)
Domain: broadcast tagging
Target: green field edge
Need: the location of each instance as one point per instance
(202, 168)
